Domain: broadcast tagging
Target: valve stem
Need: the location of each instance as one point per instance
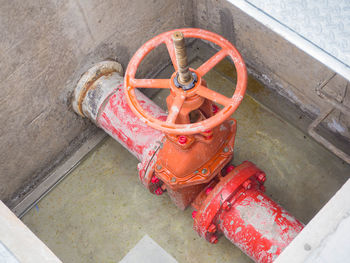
(185, 75)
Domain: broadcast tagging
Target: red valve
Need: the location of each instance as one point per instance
(180, 96)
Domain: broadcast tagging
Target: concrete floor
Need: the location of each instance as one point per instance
(100, 211)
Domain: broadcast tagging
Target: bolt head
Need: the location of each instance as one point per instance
(212, 228)
(173, 179)
(182, 139)
(154, 180)
(229, 168)
(204, 171)
(213, 239)
(194, 213)
(247, 184)
(261, 177)
(226, 149)
(159, 167)
(226, 206)
(158, 191)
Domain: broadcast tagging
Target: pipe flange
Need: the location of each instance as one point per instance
(88, 78)
(223, 195)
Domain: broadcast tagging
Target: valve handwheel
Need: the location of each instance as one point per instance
(184, 85)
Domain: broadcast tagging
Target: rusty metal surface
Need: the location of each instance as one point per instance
(330, 146)
(88, 78)
(181, 57)
(334, 104)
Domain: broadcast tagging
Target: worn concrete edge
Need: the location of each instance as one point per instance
(58, 174)
(294, 38)
(21, 241)
(319, 229)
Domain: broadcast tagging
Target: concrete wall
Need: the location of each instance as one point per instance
(277, 63)
(44, 47)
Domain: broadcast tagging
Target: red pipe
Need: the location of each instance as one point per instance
(233, 205)
(237, 208)
(117, 119)
(258, 226)
(100, 96)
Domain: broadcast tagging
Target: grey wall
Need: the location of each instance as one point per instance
(278, 63)
(44, 47)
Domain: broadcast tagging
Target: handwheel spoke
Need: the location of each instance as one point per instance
(213, 96)
(150, 83)
(210, 63)
(171, 50)
(175, 108)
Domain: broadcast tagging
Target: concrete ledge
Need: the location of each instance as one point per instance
(326, 237)
(20, 244)
(58, 175)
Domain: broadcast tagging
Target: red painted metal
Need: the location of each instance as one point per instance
(180, 97)
(258, 226)
(190, 161)
(238, 209)
(117, 119)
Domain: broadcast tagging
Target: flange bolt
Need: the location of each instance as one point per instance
(212, 228)
(247, 184)
(214, 239)
(194, 213)
(154, 180)
(158, 191)
(182, 139)
(261, 177)
(226, 206)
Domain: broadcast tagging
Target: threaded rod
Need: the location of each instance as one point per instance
(185, 75)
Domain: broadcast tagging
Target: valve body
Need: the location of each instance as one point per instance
(231, 204)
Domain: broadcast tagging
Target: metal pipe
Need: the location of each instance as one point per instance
(100, 97)
(237, 208)
(234, 206)
(258, 226)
